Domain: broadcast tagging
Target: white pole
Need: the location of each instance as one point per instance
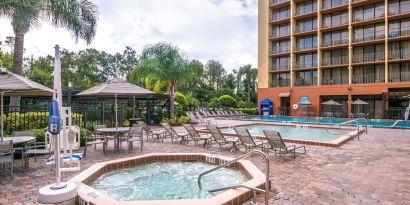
(2, 113)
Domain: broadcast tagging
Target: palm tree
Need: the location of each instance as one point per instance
(163, 63)
(77, 16)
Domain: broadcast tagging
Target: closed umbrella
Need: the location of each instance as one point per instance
(359, 102)
(114, 88)
(331, 103)
(12, 84)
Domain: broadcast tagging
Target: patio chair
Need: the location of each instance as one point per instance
(173, 134)
(219, 138)
(196, 137)
(201, 120)
(247, 140)
(213, 114)
(192, 117)
(158, 134)
(7, 155)
(134, 135)
(96, 127)
(22, 134)
(278, 146)
(91, 139)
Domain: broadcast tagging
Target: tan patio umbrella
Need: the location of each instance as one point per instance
(114, 88)
(12, 84)
(331, 103)
(359, 102)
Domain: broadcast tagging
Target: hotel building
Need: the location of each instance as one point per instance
(341, 50)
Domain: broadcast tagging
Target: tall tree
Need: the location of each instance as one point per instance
(77, 16)
(164, 63)
(249, 76)
(214, 73)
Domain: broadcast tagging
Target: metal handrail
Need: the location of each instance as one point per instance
(266, 191)
(350, 121)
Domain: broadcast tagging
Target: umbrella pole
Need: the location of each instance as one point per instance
(2, 113)
(116, 111)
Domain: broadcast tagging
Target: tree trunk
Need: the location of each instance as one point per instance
(19, 32)
(171, 91)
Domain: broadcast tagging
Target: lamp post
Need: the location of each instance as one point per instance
(70, 85)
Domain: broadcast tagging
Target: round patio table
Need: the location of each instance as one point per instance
(20, 139)
(116, 131)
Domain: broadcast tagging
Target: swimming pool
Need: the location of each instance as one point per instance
(322, 120)
(165, 181)
(293, 132)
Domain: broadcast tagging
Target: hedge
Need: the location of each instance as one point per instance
(32, 120)
(249, 111)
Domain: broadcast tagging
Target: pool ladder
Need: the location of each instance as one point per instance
(348, 122)
(253, 189)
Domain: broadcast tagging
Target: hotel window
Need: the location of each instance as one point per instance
(333, 3)
(280, 13)
(280, 46)
(335, 76)
(399, 6)
(281, 80)
(306, 42)
(306, 7)
(306, 78)
(368, 53)
(369, 32)
(281, 30)
(399, 72)
(368, 12)
(335, 19)
(368, 74)
(335, 38)
(281, 63)
(306, 25)
(399, 28)
(399, 50)
(335, 57)
(307, 60)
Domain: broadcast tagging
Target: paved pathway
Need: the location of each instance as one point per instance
(372, 170)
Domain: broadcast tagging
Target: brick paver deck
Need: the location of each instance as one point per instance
(372, 170)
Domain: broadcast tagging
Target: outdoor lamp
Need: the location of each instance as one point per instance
(70, 84)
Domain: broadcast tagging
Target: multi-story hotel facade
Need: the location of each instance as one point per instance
(341, 50)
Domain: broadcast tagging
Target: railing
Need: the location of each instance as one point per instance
(281, 83)
(280, 17)
(277, 51)
(399, 54)
(378, 35)
(301, 12)
(395, 113)
(298, 30)
(278, 1)
(332, 81)
(395, 34)
(277, 34)
(350, 122)
(368, 78)
(312, 65)
(399, 77)
(324, 25)
(341, 60)
(394, 10)
(335, 43)
(254, 189)
(303, 82)
(360, 18)
(327, 4)
(302, 49)
(280, 67)
(368, 57)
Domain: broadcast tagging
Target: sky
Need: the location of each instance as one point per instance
(224, 30)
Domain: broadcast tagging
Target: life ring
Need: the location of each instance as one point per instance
(295, 106)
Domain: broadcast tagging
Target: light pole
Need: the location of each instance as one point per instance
(70, 85)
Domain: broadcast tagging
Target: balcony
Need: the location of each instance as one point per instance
(279, 35)
(368, 57)
(283, 67)
(328, 4)
(305, 49)
(368, 78)
(397, 34)
(281, 83)
(378, 36)
(399, 10)
(305, 66)
(359, 18)
(299, 30)
(303, 82)
(331, 26)
(399, 77)
(333, 81)
(340, 60)
(335, 43)
(399, 54)
(300, 12)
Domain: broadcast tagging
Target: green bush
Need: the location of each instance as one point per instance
(32, 120)
(246, 104)
(194, 103)
(183, 120)
(214, 102)
(249, 111)
(177, 121)
(179, 111)
(227, 101)
(181, 99)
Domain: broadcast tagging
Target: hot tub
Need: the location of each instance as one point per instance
(167, 179)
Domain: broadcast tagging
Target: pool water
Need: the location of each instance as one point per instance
(293, 132)
(321, 120)
(166, 181)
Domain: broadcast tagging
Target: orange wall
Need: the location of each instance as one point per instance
(314, 93)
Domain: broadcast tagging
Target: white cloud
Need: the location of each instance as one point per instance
(224, 30)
